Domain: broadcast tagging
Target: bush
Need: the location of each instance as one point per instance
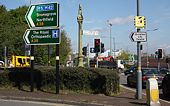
(94, 80)
(77, 79)
(4, 79)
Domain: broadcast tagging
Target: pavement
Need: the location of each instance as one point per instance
(125, 98)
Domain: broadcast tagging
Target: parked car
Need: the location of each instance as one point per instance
(164, 71)
(146, 74)
(166, 85)
(130, 70)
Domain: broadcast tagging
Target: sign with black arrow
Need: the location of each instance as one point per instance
(138, 36)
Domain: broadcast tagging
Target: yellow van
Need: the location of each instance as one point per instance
(20, 61)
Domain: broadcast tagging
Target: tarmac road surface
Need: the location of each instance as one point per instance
(27, 103)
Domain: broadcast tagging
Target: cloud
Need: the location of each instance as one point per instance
(120, 20)
(165, 46)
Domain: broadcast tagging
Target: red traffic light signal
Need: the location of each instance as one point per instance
(97, 45)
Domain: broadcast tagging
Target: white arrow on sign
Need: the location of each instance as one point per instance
(29, 16)
(138, 36)
(25, 37)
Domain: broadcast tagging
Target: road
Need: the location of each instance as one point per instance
(27, 103)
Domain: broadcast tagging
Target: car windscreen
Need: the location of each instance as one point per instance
(163, 71)
(150, 71)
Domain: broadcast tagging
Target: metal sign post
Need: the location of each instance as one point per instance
(139, 73)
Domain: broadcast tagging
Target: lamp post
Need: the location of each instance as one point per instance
(110, 30)
(80, 33)
(147, 47)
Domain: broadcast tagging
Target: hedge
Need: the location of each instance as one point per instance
(77, 79)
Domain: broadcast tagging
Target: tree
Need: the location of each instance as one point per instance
(2, 9)
(12, 28)
(41, 52)
(124, 55)
(65, 47)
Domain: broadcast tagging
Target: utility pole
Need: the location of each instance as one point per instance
(110, 38)
(80, 33)
(139, 73)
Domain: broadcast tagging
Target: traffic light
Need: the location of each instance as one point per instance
(85, 51)
(160, 53)
(102, 47)
(97, 45)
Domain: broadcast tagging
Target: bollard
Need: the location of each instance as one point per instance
(152, 92)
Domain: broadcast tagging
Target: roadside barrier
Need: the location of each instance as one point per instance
(152, 92)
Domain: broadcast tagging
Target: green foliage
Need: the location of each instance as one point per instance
(65, 48)
(12, 28)
(2, 9)
(4, 80)
(124, 55)
(76, 79)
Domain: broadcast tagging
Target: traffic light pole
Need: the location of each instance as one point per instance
(97, 62)
(139, 73)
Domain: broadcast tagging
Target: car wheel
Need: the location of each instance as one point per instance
(165, 90)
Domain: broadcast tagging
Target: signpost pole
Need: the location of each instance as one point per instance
(139, 73)
(57, 69)
(32, 69)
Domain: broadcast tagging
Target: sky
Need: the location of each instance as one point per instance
(120, 13)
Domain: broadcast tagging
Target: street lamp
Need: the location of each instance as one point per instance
(110, 26)
(147, 46)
